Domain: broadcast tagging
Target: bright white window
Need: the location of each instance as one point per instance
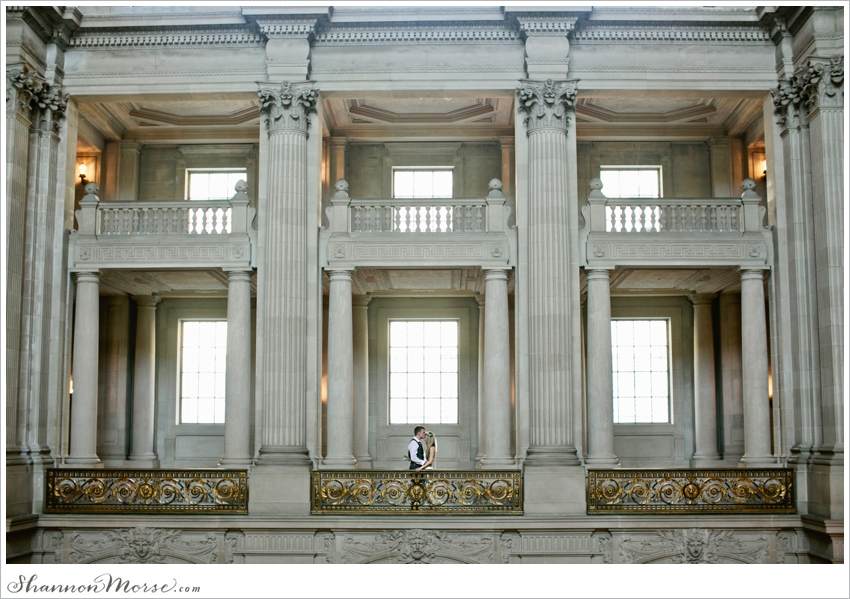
(423, 371)
(631, 182)
(640, 352)
(212, 184)
(420, 183)
(203, 352)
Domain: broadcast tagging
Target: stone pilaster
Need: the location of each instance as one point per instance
(287, 219)
(757, 451)
(705, 395)
(482, 433)
(128, 171)
(550, 293)
(600, 393)
(142, 453)
(360, 337)
(822, 87)
(237, 385)
(496, 396)
(721, 178)
(340, 373)
(83, 453)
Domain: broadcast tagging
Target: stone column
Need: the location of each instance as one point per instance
(721, 165)
(822, 87)
(142, 453)
(360, 335)
(754, 350)
(496, 408)
(340, 373)
(128, 171)
(282, 283)
(550, 294)
(705, 396)
(237, 384)
(83, 452)
(600, 392)
(482, 436)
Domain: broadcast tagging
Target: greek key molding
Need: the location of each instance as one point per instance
(398, 253)
(134, 253)
(434, 493)
(342, 35)
(187, 36)
(287, 107)
(546, 103)
(413, 546)
(717, 251)
(694, 546)
(123, 491)
(691, 491)
(726, 36)
(144, 545)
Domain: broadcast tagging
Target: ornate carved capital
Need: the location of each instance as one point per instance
(287, 107)
(22, 85)
(821, 81)
(546, 103)
(52, 104)
(786, 102)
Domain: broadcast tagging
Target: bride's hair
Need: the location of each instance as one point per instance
(430, 440)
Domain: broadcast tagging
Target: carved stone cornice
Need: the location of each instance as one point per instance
(280, 27)
(672, 34)
(287, 107)
(821, 82)
(196, 36)
(379, 34)
(546, 102)
(548, 26)
(786, 102)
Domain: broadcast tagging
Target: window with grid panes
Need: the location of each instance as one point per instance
(212, 184)
(631, 182)
(203, 353)
(641, 371)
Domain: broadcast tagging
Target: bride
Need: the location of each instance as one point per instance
(430, 451)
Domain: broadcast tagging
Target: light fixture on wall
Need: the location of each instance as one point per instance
(82, 171)
(762, 166)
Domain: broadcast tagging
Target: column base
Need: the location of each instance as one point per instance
(283, 456)
(707, 461)
(280, 490)
(143, 462)
(611, 461)
(554, 490)
(497, 463)
(767, 461)
(338, 463)
(235, 462)
(551, 457)
(364, 462)
(82, 462)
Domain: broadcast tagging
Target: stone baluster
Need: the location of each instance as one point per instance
(705, 397)
(142, 454)
(237, 385)
(360, 335)
(496, 396)
(550, 290)
(282, 283)
(757, 451)
(83, 451)
(600, 399)
(340, 372)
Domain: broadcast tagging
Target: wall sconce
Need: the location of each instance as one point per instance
(763, 168)
(82, 171)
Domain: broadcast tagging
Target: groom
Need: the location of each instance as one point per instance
(415, 451)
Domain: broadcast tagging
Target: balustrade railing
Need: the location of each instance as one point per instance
(165, 218)
(418, 216)
(632, 215)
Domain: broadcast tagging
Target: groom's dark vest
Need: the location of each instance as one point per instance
(420, 453)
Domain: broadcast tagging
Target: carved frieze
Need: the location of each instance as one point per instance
(821, 82)
(232, 36)
(546, 26)
(546, 103)
(287, 107)
(359, 35)
(606, 34)
(694, 546)
(147, 545)
(413, 546)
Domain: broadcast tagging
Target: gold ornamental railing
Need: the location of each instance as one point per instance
(437, 492)
(137, 491)
(691, 491)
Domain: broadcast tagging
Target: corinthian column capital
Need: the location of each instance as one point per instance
(287, 107)
(821, 81)
(546, 102)
(786, 103)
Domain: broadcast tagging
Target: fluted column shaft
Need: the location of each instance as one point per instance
(340, 372)
(705, 396)
(497, 372)
(757, 450)
(237, 385)
(283, 280)
(550, 298)
(599, 366)
(83, 451)
(144, 384)
(482, 433)
(360, 334)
